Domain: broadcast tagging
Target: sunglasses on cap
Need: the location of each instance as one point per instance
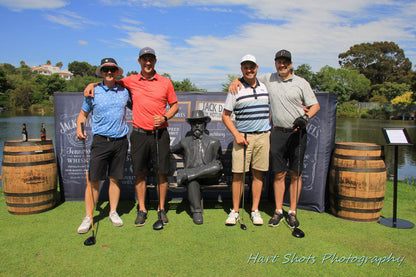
(111, 69)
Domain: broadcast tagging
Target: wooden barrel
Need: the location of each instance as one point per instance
(29, 176)
(357, 181)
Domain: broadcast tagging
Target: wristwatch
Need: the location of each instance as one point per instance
(166, 119)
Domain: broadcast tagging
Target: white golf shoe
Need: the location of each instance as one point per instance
(85, 225)
(232, 219)
(115, 219)
(256, 218)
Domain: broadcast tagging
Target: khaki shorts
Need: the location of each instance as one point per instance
(257, 153)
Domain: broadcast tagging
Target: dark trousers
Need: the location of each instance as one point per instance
(194, 196)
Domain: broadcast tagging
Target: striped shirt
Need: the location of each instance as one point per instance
(250, 107)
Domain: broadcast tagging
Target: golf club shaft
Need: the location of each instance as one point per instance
(244, 177)
(157, 164)
(89, 188)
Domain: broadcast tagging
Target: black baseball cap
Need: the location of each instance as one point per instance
(283, 54)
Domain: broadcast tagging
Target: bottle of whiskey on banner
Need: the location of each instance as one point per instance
(43, 133)
(24, 133)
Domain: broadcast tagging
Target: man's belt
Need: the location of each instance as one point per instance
(284, 130)
(146, 132)
(256, 132)
(110, 138)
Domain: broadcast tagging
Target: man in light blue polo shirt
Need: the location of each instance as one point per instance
(110, 144)
(250, 129)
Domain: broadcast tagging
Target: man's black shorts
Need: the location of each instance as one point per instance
(107, 157)
(143, 151)
(284, 150)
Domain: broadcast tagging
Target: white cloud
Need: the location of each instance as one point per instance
(69, 19)
(314, 31)
(18, 5)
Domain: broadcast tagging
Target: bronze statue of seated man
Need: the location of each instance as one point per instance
(202, 165)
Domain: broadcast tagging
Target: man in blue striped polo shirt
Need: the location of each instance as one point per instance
(251, 129)
(110, 144)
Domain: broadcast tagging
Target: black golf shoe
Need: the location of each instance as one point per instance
(198, 219)
(162, 215)
(275, 220)
(140, 219)
(292, 220)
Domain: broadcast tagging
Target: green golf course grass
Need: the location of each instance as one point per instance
(47, 244)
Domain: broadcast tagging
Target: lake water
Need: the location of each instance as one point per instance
(347, 130)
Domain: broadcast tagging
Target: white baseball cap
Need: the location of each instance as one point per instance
(248, 58)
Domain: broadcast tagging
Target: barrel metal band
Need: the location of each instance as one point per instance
(39, 193)
(358, 147)
(362, 158)
(29, 163)
(37, 152)
(357, 199)
(30, 204)
(369, 211)
(368, 170)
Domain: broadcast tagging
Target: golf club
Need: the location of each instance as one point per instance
(298, 233)
(242, 225)
(91, 240)
(158, 225)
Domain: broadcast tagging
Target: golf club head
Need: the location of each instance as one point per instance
(298, 233)
(243, 226)
(158, 225)
(89, 241)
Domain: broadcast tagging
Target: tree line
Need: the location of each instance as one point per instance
(369, 72)
(20, 88)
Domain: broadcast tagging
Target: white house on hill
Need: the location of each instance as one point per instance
(48, 69)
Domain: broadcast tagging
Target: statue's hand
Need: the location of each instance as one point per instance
(181, 177)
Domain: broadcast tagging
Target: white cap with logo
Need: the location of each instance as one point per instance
(248, 58)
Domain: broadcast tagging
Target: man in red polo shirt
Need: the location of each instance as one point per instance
(150, 93)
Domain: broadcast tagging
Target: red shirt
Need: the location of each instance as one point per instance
(150, 98)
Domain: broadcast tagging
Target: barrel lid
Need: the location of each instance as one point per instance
(27, 143)
(357, 146)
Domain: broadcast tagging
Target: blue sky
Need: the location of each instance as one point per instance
(202, 40)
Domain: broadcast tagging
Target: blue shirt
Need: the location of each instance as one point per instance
(251, 108)
(108, 107)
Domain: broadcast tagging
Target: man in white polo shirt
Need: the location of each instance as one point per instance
(250, 129)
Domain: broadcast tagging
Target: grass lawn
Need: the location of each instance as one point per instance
(47, 244)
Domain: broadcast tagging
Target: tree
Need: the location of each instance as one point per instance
(8, 68)
(347, 83)
(305, 71)
(413, 85)
(184, 85)
(5, 86)
(135, 72)
(4, 83)
(78, 83)
(59, 64)
(230, 79)
(379, 61)
(48, 62)
(404, 99)
(23, 64)
(390, 90)
(82, 69)
(22, 97)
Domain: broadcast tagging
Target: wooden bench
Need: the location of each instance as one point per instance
(223, 185)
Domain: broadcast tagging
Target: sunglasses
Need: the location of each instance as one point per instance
(111, 69)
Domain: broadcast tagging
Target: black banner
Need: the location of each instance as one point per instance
(70, 155)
